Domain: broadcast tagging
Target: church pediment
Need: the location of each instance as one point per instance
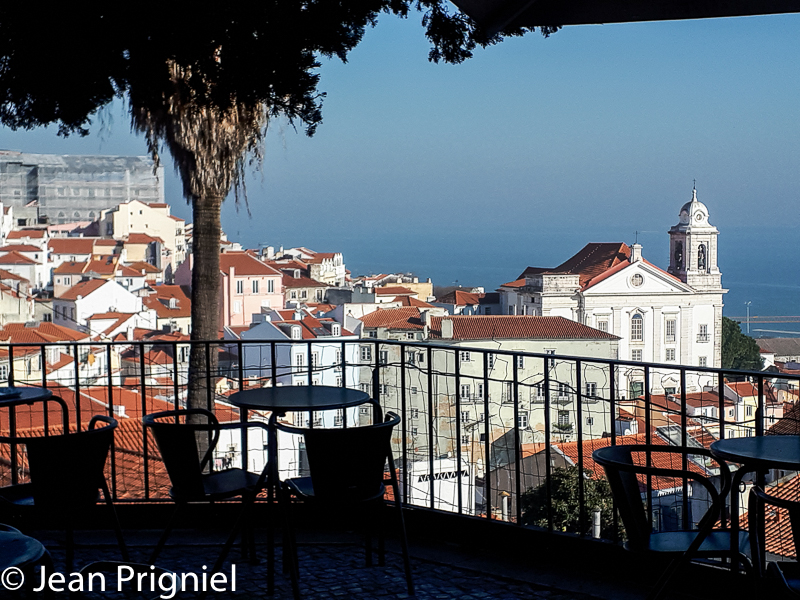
(639, 277)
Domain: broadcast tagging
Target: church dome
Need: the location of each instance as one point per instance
(694, 211)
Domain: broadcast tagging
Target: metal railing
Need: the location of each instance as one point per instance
(459, 447)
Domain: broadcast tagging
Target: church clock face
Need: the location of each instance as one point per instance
(698, 217)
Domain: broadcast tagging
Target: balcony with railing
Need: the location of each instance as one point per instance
(483, 445)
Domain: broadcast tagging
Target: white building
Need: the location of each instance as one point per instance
(92, 297)
(672, 316)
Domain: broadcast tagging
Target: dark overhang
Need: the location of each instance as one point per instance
(497, 15)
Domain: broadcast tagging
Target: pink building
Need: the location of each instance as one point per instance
(246, 285)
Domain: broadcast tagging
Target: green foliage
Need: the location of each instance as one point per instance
(565, 495)
(71, 60)
(739, 351)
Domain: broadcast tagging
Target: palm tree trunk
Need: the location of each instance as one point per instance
(205, 300)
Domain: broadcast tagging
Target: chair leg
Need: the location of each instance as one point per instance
(381, 522)
(290, 559)
(117, 528)
(241, 521)
(403, 539)
(163, 540)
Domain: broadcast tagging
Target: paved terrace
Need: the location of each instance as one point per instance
(333, 568)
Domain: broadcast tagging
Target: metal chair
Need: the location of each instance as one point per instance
(179, 443)
(786, 573)
(67, 472)
(348, 466)
(627, 470)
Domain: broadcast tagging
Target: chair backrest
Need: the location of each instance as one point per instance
(67, 470)
(756, 516)
(177, 443)
(623, 472)
(626, 491)
(349, 464)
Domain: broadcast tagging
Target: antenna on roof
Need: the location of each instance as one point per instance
(637, 237)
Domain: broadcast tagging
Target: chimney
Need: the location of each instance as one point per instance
(636, 253)
(447, 329)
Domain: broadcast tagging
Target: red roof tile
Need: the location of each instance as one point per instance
(243, 264)
(84, 288)
(26, 233)
(592, 260)
(71, 245)
(394, 318)
(142, 238)
(15, 258)
(20, 248)
(301, 282)
(394, 290)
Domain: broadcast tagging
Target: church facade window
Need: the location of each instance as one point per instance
(701, 257)
(637, 328)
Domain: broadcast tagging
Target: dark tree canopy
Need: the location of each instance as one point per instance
(739, 351)
(565, 496)
(63, 64)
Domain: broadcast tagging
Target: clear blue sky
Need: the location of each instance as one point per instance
(599, 129)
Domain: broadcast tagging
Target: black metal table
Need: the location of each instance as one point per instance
(759, 453)
(298, 398)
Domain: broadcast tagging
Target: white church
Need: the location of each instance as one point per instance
(672, 316)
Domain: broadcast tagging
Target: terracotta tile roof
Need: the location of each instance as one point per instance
(394, 318)
(409, 301)
(318, 257)
(282, 265)
(9, 275)
(664, 461)
(244, 264)
(158, 205)
(71, 268)
(106, 242)
(71, 245)
(20, 248)
(777, 523)
(174, 218)
(743, 389)
(394, 290)
(483, 327)
(126, 271)
(592, 260)
(84, 288)
(142, 238)
(16, 332)
(301, 282)
(103, 266)
(63, 361)
(311, 327)
(789, 424)
(160, 300)
(15, 258)
(515, 284)
(144, 266)
(321, 309)
(26, 233)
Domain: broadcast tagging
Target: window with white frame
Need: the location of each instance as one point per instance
(551, 362)
(479, 391)
(237, 307)
(255, 286)
(522, 420)
(490, 360)
(520, 362)
(464, 439)
(338, 418)
(409, 335)
(366, 353)
(421, 358)
(465, 416)
(669, 330)
(563, 418)
(384, 389)
(702, 361)
(563, 390)
(602, 324)
(415, 431)
(636, 355)
(465, 391)
(590, 421)
(637, 328)
(296, 333)
(749, 411)
(366, 388)
(411, 356)
(414, 390)
(315, 359)
(464, 356)
(339, 381)
(299, 360)
(702, 334)
(384, 357)
(270, 286)
(414, 413)
(591, 389)
(338, 360)
(670, 354)
(239, 286)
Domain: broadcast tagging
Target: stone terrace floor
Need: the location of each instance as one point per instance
(328, 571)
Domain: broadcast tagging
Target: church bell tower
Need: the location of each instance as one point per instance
(693, 248)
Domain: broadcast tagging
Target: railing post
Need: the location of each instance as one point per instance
(457, 357)
(487, 455)
(579, 429)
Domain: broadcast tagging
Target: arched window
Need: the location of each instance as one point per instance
(701, 257)
(76, 214)
(637, 328)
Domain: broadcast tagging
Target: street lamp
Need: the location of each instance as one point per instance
(747, 304)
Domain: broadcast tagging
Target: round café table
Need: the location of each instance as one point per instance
(18, 551)
(759, 453)
(294, 398)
